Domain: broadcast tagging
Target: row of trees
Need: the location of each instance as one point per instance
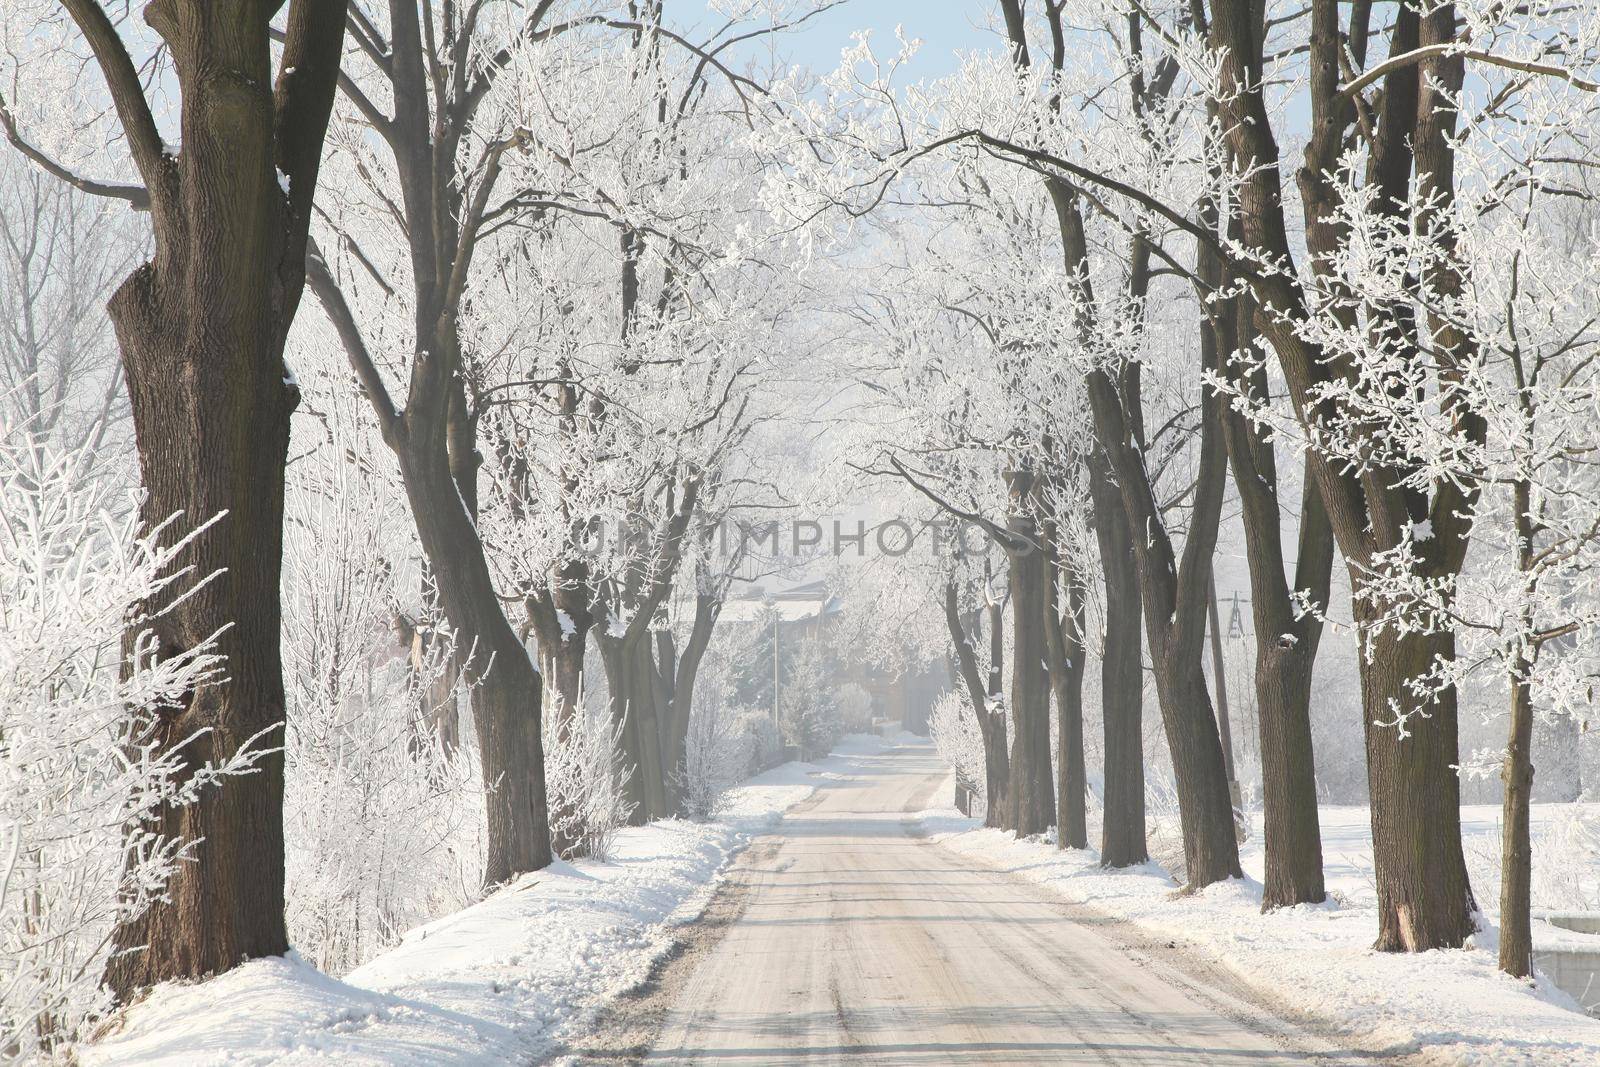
(1104, 298)
(541, 264)
(557, 246)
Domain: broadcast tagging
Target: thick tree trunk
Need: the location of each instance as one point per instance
(1286, 647)
(1122, 839)
(561, 660)
(663, 656)
(560, 619)
(1210, 849)
(1424, 896)
(1292, 833)
(201, 329)
(211, 410)
(1031, 805)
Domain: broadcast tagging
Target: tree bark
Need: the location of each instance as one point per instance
(560, 618)
(1065, 649)
(1031, 801)
(201, 329)
(680, 703)
(631, 674)
(1122, 839)
(1516, 858)
(637, 696)
(1424, 898)
(1286, 646)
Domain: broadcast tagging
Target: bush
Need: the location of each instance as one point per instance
(585, 783)
(384, 823)
(764, 741)
(855, 709)
(82, 774)
(717, 757)
(955, 734)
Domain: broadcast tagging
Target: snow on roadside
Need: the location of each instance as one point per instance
(498, 982)
(1450, 1006)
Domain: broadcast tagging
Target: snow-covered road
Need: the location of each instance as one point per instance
(845, 935)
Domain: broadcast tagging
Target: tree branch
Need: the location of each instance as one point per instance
(303, 101)
(1417, 55)
(1006, 538)
(391, 423)
(136, 195)
(127, 94)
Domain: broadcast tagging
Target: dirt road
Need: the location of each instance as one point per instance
(846, 937)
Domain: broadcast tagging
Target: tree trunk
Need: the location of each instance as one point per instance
(680, 707)
(1031, 804)
(991, 722)
(1286, 645)
(1292, 832)
(1066, 653)
(1210, 849)
(201, 329)
(997, 751)
(1424, 897)
(211, 410)
(663, 656)
(505, 688)
(1122, 838)
(630, 671)
(561, 623)
(561, 618)
(1516, 859)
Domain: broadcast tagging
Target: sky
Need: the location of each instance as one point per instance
(944, 26)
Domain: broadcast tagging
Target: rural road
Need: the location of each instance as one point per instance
(843, 936)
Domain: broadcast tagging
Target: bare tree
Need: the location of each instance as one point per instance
(62, 253)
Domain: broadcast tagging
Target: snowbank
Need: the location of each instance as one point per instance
(1453, 1007)
(498, 982)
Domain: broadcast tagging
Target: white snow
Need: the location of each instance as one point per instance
(1452, 1006)
(502, 981)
